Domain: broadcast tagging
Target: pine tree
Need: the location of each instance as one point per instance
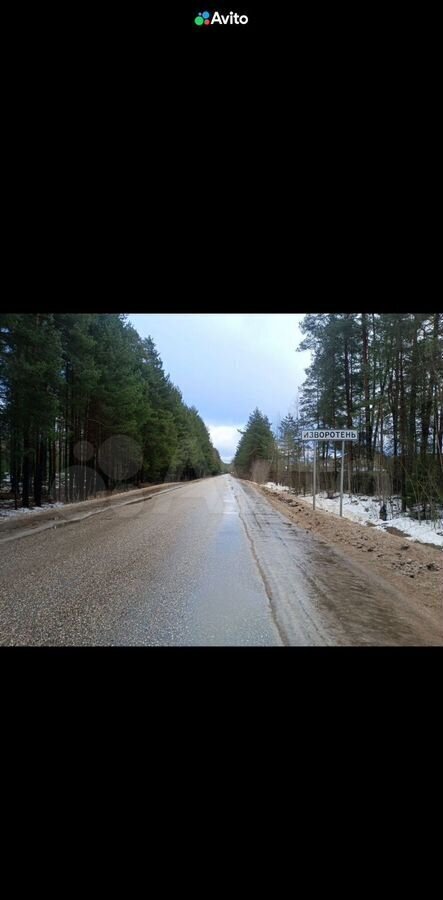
(257, 444)
(289, 445)
(381, 374)
(31, 370)
(85, 404)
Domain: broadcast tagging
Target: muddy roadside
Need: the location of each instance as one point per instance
(413, 568)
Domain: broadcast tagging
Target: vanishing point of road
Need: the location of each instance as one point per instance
(207, 563)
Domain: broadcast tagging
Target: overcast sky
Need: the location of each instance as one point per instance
(226, 365)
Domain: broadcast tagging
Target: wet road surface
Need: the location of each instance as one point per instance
(210, 563)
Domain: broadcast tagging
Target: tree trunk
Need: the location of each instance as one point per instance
(348, 411)
(26, 469)
(403, 437)
(38, 472)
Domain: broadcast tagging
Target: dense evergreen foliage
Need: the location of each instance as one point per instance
(381, 374)
(85, 405)
(256, 449)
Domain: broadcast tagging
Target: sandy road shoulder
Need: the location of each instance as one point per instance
(412, 567)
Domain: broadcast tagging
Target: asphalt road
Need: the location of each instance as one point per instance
(208, 563)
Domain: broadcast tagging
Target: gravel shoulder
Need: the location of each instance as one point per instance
(413, 568)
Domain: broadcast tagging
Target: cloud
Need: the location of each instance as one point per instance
(227, 364)
(225, 438)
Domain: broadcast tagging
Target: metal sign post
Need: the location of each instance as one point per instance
(329, 434)
(342, 475)
(314, 486)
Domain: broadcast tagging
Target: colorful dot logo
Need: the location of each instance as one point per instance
(203, 18)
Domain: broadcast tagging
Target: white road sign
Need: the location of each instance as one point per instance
(342, 434)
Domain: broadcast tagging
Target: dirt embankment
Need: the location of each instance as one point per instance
(408, 565)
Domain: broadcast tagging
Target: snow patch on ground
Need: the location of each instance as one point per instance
(366, 511)
(22, 511)
(425, 532)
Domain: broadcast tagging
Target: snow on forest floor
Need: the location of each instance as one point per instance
(366, 511)
(8, 513)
